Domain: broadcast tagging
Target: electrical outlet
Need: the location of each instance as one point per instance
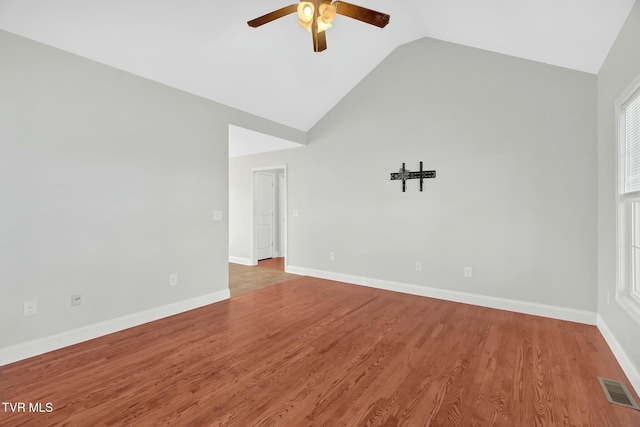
(30, 307)
(76, 300)
(468, 272)
(217, 215)
(332, 256)
(418, 266)
(173, 280)
(296, 213)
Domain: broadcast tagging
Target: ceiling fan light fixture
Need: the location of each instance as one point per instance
(305, 25)
(322, 26)
(307, 10)
(327, 13)
(326, 17)
(305, 13)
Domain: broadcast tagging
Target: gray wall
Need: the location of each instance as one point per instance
(108, 183)
(514, 146)
(618, 72)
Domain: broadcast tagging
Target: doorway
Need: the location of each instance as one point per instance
(270, 216)
(264, 214)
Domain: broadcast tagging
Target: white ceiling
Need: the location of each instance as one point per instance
(205, 46)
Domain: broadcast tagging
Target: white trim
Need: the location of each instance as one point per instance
(629, 305)
(551, 311)
(625, 363)
(85, 333)
(269, 168)
(240, 260)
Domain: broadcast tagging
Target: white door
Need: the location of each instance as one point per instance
(282, 216)
(264, 195)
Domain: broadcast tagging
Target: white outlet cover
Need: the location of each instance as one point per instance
(468, 272)
(296, 212)
(418, 266)
(173, 280)
(332, 256)
(217, 215)
(76, 300)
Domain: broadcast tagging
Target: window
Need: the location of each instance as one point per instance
(629, 202)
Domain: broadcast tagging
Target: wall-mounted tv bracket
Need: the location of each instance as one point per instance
(404, 174)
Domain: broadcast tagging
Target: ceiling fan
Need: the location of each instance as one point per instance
(316, 17)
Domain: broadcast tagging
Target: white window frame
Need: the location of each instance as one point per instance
(626, 295)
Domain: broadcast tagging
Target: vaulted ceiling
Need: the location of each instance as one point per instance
(206, 48)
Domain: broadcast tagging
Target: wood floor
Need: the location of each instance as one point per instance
(272, 263)
(311, 352)
(243, 279)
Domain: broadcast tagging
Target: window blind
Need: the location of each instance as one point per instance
(632, 144)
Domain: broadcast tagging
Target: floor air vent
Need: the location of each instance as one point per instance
(618, 393)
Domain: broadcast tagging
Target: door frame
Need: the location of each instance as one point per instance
(282, 215)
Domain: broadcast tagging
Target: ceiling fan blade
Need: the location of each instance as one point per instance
(272, 16)
(320, 41)
(363, 14)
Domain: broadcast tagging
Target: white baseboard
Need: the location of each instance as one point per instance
(239, 260)
(85, 333)
(624, 361)
(551, 311)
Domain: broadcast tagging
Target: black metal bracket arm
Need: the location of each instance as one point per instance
(404, 174)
